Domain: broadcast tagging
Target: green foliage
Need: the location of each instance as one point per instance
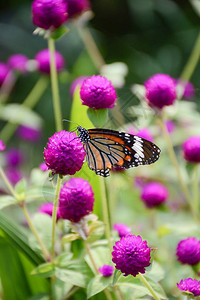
(98, 284)
(59, 32)
(98, 117)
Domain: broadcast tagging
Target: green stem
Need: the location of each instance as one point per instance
(176, 165)
(7, 183)
(91, 47)
(105, 213)
(54, 216)
(148, 286)
(34, 230)
(192, 61)
(54, 86)
(196, 189)
(30, 102)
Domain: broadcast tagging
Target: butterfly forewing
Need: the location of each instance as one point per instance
(106, 148)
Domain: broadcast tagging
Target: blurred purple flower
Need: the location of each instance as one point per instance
(131, 255)
(143, 133)
(43, 60)
(43, 167)
(160, 90)
(14, 157)
(122, 229)
(106, 270)
(154, 194)
(76, 7)
(188, 251)
(76, 199)
(28, 133)
(47, 208)
(64, 153)
(49, 14)
(4, 73)
(18, 62)
(75, 83)
(2, 146)
(170, 125)
(189, 90)
(97, 92)
(189, 285)
(191, 149)
(14, 175)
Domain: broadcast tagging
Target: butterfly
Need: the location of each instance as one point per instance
(106, 148)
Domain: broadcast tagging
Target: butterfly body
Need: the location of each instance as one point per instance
(106, 148)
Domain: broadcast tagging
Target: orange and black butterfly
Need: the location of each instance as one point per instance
(107, 148)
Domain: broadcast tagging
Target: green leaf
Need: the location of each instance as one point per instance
(100, 255)
(98, 116)
(135, 283)
(19, 114)
(44, 270)
(45, 193)
(76, 272)
(7, 200)
(59, 32)
(156, 272)
(79, 116)
(40, 296)
(20, 188)
(70, 237)
(96, 231)
(98, 284)
(63, 259)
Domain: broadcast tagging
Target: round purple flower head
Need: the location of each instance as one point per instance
(170, 126)
(4, 73)
(43, 167)
(188, 251)
(18, 62)
(153, 194)
(122, 229)
(131, 255)
(191, 149)
(43, 60)
(47, 208)
(14, 157)
(76, 7)
(14, 175)
(76, 199)
(160, 90)
(143, 133)
(28, 133)
(189, 285)
(97, 92)
(2, 146)
(106, 270)
(77, 81)
(64, 153)
(49, 14)
(189, 90)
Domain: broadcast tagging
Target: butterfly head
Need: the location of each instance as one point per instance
(83, 134)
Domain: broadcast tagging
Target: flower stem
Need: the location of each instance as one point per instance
(54, 86)
(33, 229)
(192, 61)
(30, 101)
(196, 189)
(148, 286)
(105, 213)
(54, 216)
(107, 293)
(7, 183)
(176, 165)
(91, 47)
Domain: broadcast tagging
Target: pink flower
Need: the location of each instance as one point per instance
(191, 149)
(43, 60)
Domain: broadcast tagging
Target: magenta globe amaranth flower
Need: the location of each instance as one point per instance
(64, 153)
(188, 251)
(47, 208)
(2, 146)
(143, 133)
(189, 285)
(106, 270)
(122, 229)
(97, 92)
(160, 90)
(43, 61)
(18, 62)
(76, 199)
(76, 7)
(154, 194)
(14, 175)
(43, 167)
(4, 73)
(14, 157)
(191, 149)
(188, 89)
(49, 14)
(29, 133)
(75, 83)
(131, 255)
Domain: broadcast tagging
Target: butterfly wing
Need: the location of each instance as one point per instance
(107, 148)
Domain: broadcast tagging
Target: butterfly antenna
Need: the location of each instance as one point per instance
(65, 120)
